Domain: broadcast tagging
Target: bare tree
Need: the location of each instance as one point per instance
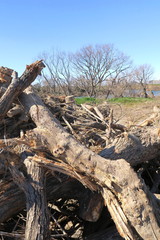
(95, 65)
(142, 75)
(86, 71)
(58, 75)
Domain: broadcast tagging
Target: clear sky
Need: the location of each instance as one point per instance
(28, 28)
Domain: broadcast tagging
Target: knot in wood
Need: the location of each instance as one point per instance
(58, 151)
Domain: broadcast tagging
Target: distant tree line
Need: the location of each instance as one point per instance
(100, 70)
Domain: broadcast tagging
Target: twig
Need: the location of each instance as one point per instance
(99, 113)
(91, 113)
(15, 235)
(70, 127)
(121, 116)
(58, 235)
(108, 131)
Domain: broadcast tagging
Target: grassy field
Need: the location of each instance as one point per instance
(82, 100)
(129, 100)
(124, 100)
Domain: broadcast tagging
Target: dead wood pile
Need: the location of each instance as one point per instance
(73, 172)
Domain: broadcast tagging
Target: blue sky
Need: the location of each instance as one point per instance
(31, 27)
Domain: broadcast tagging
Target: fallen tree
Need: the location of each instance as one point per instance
(134, 209)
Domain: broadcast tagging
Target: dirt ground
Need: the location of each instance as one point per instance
(132, 114)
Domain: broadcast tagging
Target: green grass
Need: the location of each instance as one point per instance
(128, 100)
(82, 100)
(124, 100)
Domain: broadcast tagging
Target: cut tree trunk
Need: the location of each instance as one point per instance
(132, 207)
(37, 222)
(33, 185)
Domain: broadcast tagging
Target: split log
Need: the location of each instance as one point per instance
(18, 85)
(131, 205)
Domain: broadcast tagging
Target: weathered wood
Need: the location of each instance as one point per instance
(12, 235)
(37, 222)
(33, 185)
(91, 206)
(64, 168)
(5, 76)
(138, 146)
(16, 110)
(2, 91)
(131, 205)
(69, 99)
(18, 85)
(12, 198)
(91, 203)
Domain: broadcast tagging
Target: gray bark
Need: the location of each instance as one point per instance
(33, 185)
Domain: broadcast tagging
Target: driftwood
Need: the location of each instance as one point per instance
(50, 148)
